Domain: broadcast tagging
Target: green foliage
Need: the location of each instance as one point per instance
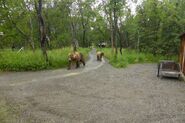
(157, 26)
(132, 57)
(27, 60)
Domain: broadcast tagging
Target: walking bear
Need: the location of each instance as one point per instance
(99, 55)
(77, 58)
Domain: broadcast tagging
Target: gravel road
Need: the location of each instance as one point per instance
(96, 93)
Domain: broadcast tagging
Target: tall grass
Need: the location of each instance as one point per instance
(131, 57)
(27, 60)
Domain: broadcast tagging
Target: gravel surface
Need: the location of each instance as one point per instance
(96, 93)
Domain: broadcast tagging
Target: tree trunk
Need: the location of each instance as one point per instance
(74, 42)
(83, 24)
(115, 28)
(84, 36)
(42, 29)
(112, 32)
(138, 43)
(120, 41)
(31, 36)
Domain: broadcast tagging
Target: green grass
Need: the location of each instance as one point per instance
(29, 61)
(132, 57)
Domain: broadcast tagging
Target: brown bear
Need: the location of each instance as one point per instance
(99, 55)
(76, 57)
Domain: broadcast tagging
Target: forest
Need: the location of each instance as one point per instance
(153, 27)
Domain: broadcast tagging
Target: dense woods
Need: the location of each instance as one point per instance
(154, 27)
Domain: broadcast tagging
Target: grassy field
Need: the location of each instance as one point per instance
(131, 57)
(29, 61)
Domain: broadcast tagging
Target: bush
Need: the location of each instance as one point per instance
(29, 61)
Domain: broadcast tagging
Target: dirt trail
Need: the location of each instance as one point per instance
(96, 93)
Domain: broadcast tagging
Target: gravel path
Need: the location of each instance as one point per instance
(97, 93)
